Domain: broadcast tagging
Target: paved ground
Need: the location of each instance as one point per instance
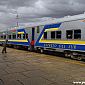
(19, 67)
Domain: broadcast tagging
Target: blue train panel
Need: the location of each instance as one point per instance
(77, 46)
(46, 27)
(19, 43)
(24, 42)
(62, 46)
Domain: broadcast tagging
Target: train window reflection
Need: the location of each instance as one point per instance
(9, 36)
(26, 36)
(53, 35)
(45, 35)
(19, 36)
(77, 34)
(58, 34)
(14, 36)
(69, 34)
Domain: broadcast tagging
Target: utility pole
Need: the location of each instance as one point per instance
(7, 34)
(17, 18)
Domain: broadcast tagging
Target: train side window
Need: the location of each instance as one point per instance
(9, 36)
(58, 34)
(45, 35)
(38, 29)
(77, 34)
(69, 34)
(53, 35)
(1, 37)
(14, 36)
(19, 36)
(26, 36)
(4, 36)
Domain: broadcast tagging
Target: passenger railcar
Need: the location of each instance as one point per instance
(65, 35)
(17, 38)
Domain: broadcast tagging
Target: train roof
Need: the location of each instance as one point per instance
(57, 20)
(52, 21)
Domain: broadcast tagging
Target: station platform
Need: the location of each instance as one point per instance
(19, 67)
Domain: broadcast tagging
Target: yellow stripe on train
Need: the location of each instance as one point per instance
(63, 42)
(20, 32)
(52, 29)
(2, 40)
(16, 40)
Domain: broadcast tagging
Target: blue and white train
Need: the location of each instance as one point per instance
(65, 35)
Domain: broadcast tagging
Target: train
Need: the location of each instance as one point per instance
(66, 35)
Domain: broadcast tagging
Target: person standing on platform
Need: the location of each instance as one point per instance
(4, 47)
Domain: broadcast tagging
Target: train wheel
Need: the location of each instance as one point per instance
(18, 47)
(66, 55)
(36, 50)
(79, 58)
(41, 50)
(15, 46)
(72, 56)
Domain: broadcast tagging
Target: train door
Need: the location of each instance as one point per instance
(32, 39)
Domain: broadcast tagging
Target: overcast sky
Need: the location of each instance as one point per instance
(31, 9)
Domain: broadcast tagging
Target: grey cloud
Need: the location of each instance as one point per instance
(34, 10)
(17, 3)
